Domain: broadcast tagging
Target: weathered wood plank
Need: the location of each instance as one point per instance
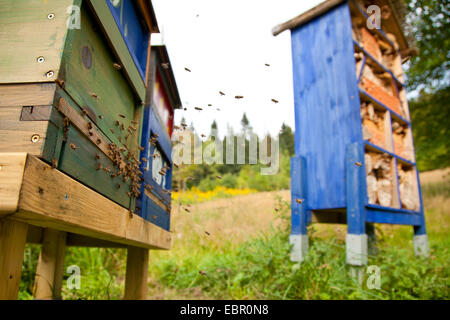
(18, 136)
(12, 166)
(100, 86)
(27, 33)
(30, 94)
(13, 236)
(49, 198)
(136, 287)
(49, 270)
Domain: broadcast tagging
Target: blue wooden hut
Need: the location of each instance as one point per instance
(354, 158)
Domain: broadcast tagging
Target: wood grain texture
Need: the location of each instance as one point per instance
(49, 272)
(12, 166)
(16, 135)
(28, 34)
(27, 94)
(327, 105)
(51, 199)
(120, 48)
(13, 236)
(136, 287)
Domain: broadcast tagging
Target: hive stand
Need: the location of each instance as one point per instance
(42, 205)
(340, 68)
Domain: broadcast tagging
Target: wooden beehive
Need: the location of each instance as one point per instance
(73, 82)
(154, 202)
(354, 158)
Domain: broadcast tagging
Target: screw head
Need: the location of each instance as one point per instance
(40, 60)
(50, 74)
(35, 138)
(50, 16)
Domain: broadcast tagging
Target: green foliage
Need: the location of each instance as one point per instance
(430, 21)
(260, 269)
(430, 116)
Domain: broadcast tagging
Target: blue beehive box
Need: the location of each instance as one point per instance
(154, 203)
(354, 158)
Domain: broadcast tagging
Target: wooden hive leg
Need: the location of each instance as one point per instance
(13, 236)
(299, 218)
(50, 269)
(136, 287)
(356, 240)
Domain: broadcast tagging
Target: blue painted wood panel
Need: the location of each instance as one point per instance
(149, 210)
(327, 105)
(135, 33)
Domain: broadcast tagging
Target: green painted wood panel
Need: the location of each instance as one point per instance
(27, 32)
(81, 164)
(115, 37)
(97, 84)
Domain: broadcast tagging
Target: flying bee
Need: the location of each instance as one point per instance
(267, 65)
(187, 69)
(97, 157)
(221, 93)
(197, 108)
(359, 164)
(99, 166)
(100, 117)
(144, 160)
(85, 112)
(203, 136)
(117, 66)
(209, 105)
(165, 65)
(107, 170)
(207, 233)
(117, 123)
(176, 127)
(203, 273)
(187, 210)
(94, 95)
(112, 131)
(219, 177)
(122, 116)
(73, 146)
(141, 148)
(275, 101)
(54, 162)
(239, 97)
(299, 201)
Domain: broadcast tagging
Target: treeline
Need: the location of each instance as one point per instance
(207, 177)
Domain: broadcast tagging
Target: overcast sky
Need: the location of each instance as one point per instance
(226, 45)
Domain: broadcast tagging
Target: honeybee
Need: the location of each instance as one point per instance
(221, 93)
(85, 112)
(275, 101)
(187, 69)
(359, 164)
(122, 116)
(117, 66)
(112, 131)
(100, 117)
(199, 109)
(207, 233)
(73, 146)
(141, 148)
(219, 177)
(299, 201)
(187, 210)
(203, 273)
(165, 65)
(94, 95)
(239, 97)
(267, 65)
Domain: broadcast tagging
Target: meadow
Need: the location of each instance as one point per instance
(234, 245)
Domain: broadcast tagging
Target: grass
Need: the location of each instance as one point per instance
(237, 248)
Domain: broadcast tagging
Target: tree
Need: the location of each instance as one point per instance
(430, 20)
(287, 140)
(244, 122)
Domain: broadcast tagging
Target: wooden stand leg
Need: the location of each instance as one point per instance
(136, 287)
(13, 236)
(50, 269)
